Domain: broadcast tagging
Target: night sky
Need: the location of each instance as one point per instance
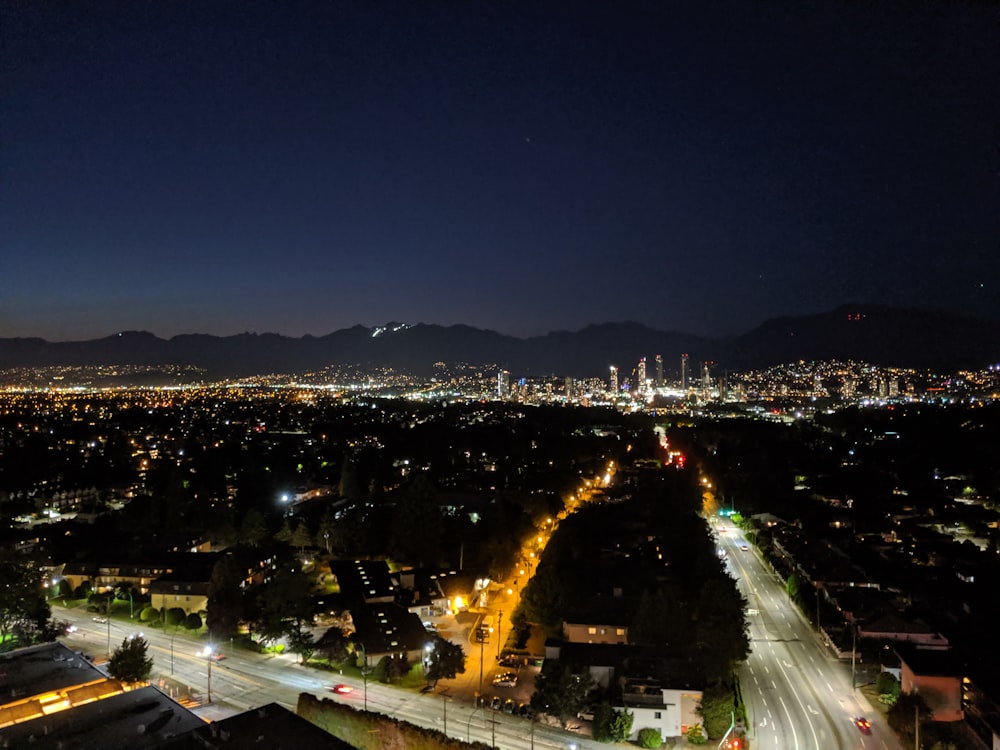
(297, 168)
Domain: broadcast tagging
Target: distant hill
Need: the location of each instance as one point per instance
(888, 336)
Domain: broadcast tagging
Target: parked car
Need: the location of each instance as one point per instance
(586, 714)
(506, 680)
(509, 706)
(524, 710)
(496, 703)
(511, 661)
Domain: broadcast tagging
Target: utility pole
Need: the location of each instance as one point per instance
(444, 709)
(364, 670)
(499, 619)
(854, 651)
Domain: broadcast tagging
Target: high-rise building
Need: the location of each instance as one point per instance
(684, 372)
(659, 371)
(640, 386)
(503, 384)
(613, 382)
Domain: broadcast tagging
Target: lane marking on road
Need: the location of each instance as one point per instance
(791, 723)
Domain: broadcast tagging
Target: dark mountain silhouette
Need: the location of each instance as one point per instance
(888, 336)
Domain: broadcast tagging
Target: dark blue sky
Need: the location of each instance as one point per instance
(298, 168)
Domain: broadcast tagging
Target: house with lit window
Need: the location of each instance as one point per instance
(672, 711)
(177, 590)
(594, 632)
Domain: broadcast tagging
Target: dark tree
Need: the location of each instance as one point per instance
(21, 599)
(130, 663)
(544, 599)
(225, 598)
(444, 661)
(283, 605)
(416, 509)
(560, 692)
(302, 642)
(192, 621)
(253, 529)
(175, 617)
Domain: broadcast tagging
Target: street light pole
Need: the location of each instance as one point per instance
(364, 670)
(499, 638)
(854, 651)
(468, 725)
(109, 632)
(482, 648)
(208, 654)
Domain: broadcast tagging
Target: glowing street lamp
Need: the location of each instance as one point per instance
(207, 653)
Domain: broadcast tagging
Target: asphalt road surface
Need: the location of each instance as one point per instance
(797, 694)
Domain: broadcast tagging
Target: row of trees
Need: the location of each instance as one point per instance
(25, 616)
(280, 607)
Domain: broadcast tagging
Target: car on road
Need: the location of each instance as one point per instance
(100, 619)
(505, 679)
(340, 688)
(864, 726)
(744, 547)
(218, 657)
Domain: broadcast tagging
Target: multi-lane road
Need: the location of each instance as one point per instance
(245, 680)
(798, 696)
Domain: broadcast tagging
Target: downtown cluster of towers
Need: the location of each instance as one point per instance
(643, 384)
(637, 385)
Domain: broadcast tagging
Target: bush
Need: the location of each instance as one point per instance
(650, 737)
(886, 683)
(192, 621)
(696, 735)
(175, 616)
(149, 614)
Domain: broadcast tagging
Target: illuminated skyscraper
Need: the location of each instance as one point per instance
(684, 372)
(659, 371)
(613, 383)
(640, 386)
(503, 384)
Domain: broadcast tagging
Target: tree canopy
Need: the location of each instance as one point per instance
(129, 663)
(560, 692)
(444, 661)
(22, 602)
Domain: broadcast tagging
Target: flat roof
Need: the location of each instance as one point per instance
(138, 719)
(45, 668)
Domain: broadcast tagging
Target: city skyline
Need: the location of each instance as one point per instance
(301, 170)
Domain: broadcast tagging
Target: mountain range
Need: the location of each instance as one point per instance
(880, 335)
